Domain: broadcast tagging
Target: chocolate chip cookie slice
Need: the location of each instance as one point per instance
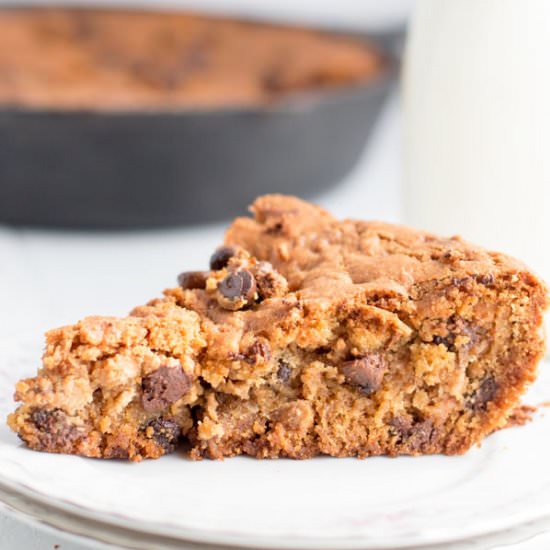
(307, 335)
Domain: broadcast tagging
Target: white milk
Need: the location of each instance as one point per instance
(477, 124)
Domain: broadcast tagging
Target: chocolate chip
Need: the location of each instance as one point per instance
(283, 373)
(465, 283)
(163, 387)
(258, 352)
(239, 284)
(456, 327)
(401, 425)
(448, 256)
(484, 394)
(366, 373)
(414, 434)
(165, 432)
(447, 341)
(237, 290)
(221, 257)
(190, 280)
(55, 433)
(420, 435)
(45, 420)
(486, 280)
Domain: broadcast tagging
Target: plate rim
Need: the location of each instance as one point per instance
(81, 530)
(253, 542)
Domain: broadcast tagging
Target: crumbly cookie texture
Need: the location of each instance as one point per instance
(306, 336)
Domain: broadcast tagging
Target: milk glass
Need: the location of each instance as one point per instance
(477, 124)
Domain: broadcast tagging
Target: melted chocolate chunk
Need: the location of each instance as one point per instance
(191, 280)
(165, 432)
(366, 373)
(221, 257)
(163, 387)
(54, 430)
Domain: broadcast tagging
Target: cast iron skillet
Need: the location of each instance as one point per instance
(135, 169)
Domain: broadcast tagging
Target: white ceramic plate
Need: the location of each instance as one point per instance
(320, 503)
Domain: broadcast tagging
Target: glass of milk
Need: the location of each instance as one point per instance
(477, 124)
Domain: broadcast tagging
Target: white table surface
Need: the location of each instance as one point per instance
(53, 278)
